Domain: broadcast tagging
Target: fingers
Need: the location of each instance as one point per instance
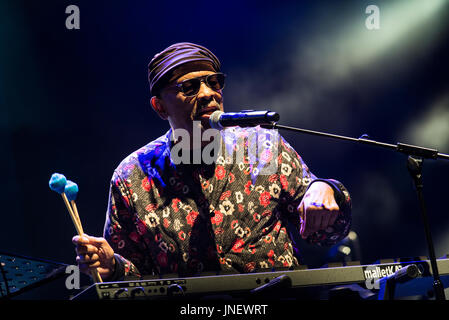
(333, 217)
(94, 253)
(87, 268)
(316, 216)
(325, 218)
(312, 222)
(87, 249)
(329, 215)
(86, 239)
(88, 259)
(83, 245)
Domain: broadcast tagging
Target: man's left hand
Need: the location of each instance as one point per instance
(318, 209)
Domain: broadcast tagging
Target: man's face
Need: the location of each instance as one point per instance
(182, 111)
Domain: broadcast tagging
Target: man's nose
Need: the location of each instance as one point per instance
(206, 93)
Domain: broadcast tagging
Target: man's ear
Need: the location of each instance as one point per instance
(158, 106)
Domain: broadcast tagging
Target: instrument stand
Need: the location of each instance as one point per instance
(414, 166)
(415, 169)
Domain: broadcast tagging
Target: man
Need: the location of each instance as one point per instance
(188, 217)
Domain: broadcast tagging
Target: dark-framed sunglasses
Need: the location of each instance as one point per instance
(190, 87)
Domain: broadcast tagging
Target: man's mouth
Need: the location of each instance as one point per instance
(207, 111)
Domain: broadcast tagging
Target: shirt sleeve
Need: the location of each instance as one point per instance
(300, 179)
(122, 234)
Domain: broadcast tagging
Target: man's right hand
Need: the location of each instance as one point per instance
(94, 253)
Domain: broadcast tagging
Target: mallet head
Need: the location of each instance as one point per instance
(71, 190)
(57, 182)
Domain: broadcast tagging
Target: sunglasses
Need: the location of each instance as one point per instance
(190, 87)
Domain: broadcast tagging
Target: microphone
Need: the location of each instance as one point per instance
(219, 120)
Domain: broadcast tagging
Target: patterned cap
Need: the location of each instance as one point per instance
(161, 67)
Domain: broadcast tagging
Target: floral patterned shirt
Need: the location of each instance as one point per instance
(236, 214)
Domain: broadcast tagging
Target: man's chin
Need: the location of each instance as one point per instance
(203, 121)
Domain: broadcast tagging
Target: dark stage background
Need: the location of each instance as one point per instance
(77, 102)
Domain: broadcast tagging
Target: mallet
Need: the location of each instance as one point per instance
(69, 190)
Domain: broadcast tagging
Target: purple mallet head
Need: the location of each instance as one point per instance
(71, 190)
(57, 182)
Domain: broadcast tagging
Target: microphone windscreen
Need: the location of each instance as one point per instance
(214, 120)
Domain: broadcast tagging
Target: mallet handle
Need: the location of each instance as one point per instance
(79, 228)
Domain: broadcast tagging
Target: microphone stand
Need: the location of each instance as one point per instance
(414, 164)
